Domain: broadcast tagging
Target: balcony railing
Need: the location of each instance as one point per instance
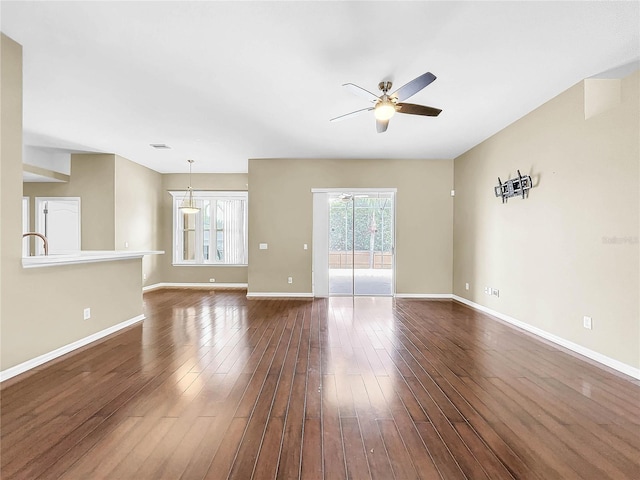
(361, 259)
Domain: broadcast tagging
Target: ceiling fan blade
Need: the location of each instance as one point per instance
(413, 87)
(381, 125)
(413, 109)
(361, 92)
(352, 114)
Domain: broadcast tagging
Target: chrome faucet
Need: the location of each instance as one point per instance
(44, 239)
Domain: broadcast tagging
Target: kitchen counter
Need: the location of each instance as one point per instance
(85, 256)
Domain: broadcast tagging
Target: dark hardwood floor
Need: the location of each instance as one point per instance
(216, 386)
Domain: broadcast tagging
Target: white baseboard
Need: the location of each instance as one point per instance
(278, 295)
(435, 296)
(58, 352)
(226, 286)
(574, 347)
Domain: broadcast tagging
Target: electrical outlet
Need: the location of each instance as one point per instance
(587, 323)
(487, 290)
(212, 280)
(87, 313)
(290, 280)
(305, 246)
(144, 276)
(466, 286)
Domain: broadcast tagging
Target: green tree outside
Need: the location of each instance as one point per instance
(372, 224)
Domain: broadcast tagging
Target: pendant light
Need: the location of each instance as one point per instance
(188, 204)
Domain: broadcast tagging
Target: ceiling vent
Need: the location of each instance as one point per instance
(160, 146)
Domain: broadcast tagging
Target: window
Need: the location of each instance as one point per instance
(216, 235)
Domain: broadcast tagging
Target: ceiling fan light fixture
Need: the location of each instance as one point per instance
(188, 205)
(385, 109)
(386, 105)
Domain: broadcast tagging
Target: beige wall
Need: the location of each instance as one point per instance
(92, 179)
(199, 181)
(120, 203)
(138, 219)
(571, 248)
(42, 309)
(10, 180)
(281, 215)
(46, 313)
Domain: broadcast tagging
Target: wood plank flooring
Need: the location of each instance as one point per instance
(215, 386)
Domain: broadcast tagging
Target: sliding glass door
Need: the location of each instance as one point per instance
(361, 237)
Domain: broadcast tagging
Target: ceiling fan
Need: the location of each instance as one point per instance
(386, 105)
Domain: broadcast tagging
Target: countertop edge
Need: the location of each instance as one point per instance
(85, 257)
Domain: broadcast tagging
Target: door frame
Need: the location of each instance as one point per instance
(320, 237)
(26, 225)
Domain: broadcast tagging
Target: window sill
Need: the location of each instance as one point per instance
(208, 265)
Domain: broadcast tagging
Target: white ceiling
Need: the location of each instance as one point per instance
(221, 82)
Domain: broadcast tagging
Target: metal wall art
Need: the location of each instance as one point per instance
(513, 187)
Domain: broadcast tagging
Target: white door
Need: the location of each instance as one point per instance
(58, 219)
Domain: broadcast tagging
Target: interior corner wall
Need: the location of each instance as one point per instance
(570, 249)
(281, 215)
(196, 273)
(41, 309)
(138, 203)
(93, 180)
